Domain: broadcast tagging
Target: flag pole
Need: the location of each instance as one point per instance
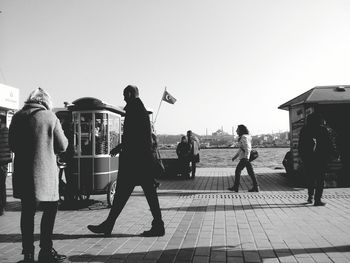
(160, 103)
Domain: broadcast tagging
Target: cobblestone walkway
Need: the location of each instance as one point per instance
(204, 223)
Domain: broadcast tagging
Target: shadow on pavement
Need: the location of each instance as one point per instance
(267, 182)
(17, 238)
(15, 206)
(216, 254)
(233, 207)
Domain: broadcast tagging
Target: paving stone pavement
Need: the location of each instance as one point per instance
(204, 223)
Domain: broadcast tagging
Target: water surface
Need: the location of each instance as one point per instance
(268, 157)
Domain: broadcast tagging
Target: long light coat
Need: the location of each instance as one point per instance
(36, 136)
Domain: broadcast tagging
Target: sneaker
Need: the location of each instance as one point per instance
(254, 189)
(51, 256)
(154, 232)
(319, 203)
(233, 189)
(100, 229)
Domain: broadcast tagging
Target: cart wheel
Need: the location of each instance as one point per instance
(84, 197)
(111, 192)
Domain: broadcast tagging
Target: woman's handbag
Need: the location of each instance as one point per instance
(253, 155)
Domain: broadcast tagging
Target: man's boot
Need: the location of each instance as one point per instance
(101, 229)
(157, 230)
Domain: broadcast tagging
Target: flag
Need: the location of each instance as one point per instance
(168, 98)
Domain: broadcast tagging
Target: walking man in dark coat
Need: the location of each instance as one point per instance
(315, 150)
(137, 166)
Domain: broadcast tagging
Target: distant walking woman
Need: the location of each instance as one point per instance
(245, 147)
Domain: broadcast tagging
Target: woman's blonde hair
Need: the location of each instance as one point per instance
(40, 96)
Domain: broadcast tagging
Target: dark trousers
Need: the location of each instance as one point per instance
(3, 174)
(315, 180)
(46, 226)
(193, 168)
(244, 163)
(121, 197)
(194, 161)
(184, 167)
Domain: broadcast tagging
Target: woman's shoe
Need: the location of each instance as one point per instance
(100, 229)
(309, 200)
(319, 203)
(254, 189)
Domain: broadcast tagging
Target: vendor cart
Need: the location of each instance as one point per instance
(93, 129)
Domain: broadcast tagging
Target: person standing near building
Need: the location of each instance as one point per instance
(35, 137)
(193, 141)
(183, 151)
(315, 150)
(243, 153)
(137, 166)
(159, 164)
(5, 159)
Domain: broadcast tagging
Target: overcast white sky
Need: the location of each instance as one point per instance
(226, 62)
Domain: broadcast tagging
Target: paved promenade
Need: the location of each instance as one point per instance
(204, 223)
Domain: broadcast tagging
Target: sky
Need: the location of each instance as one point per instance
(227, 62)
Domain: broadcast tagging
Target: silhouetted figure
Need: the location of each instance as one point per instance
(36, 136)
(65, 162)
(315, 150)
(183, 151)
(287, 163)
(159, 171)
(137, 166)
(243, 153)
(5, 159)
(193, 141)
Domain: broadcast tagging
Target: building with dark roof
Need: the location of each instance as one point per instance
(333, 103)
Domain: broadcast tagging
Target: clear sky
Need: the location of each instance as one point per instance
(226, 62)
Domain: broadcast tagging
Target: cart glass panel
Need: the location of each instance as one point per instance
(76, 141)
(114, 131)
(86, 133)
(101, 133)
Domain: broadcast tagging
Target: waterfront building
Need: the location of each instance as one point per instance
(333, 103)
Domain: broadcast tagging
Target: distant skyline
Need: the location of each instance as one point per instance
(227, 62)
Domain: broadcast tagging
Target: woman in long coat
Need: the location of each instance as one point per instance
(36, 136)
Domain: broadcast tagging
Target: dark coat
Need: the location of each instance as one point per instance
(36, 136)
(183, 151)
(137, 162)
(315, 146)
